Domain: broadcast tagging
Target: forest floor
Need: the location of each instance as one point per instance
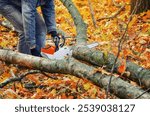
(107, 32)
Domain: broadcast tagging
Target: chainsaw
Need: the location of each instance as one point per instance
(59, 51)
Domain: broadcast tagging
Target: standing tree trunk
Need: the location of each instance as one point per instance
(139, 6)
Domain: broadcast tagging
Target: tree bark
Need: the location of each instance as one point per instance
(137, 73)
(139, 6)
(96, 57)
(71, 66)
(81, 27)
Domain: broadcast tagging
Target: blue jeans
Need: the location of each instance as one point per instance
(13, 13)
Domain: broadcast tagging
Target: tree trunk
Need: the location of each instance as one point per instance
(96, 57)
(139, 6)
(81, 27)
(71, 66)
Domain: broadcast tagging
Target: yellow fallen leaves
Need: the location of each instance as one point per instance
(10, 94)
(107, 34)
(87, 86)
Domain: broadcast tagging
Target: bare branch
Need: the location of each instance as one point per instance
(55, 78)
(114, 15)
(121, 42)
(117, 5)
(14, 79)
(143, 93)
(92, 13)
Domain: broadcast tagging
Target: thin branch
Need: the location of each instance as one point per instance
(143, 93)
(30, 86)
(55, 78)
(13, 76)
(92, 13)
(10, 80)
(116, 4)
(82, 96)
(114, 15)
(113, 67)
(121, 42)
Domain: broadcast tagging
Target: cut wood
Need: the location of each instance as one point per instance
(96, 57)
(120, 88)
(71, 66)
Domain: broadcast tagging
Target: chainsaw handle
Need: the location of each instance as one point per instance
(63, 41)
(56, 41)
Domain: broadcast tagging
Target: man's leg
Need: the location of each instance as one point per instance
(13, 14)
(40, 31)
(40, 35)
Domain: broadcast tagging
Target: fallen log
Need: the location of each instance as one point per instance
(96, 57)
(72, 66)
(137, 73)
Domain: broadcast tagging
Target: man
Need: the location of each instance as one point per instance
(29, 24)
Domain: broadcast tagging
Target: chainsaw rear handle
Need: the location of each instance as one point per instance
(57, 41)
(63, 41)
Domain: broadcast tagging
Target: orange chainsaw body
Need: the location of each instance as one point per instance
(48, 50)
